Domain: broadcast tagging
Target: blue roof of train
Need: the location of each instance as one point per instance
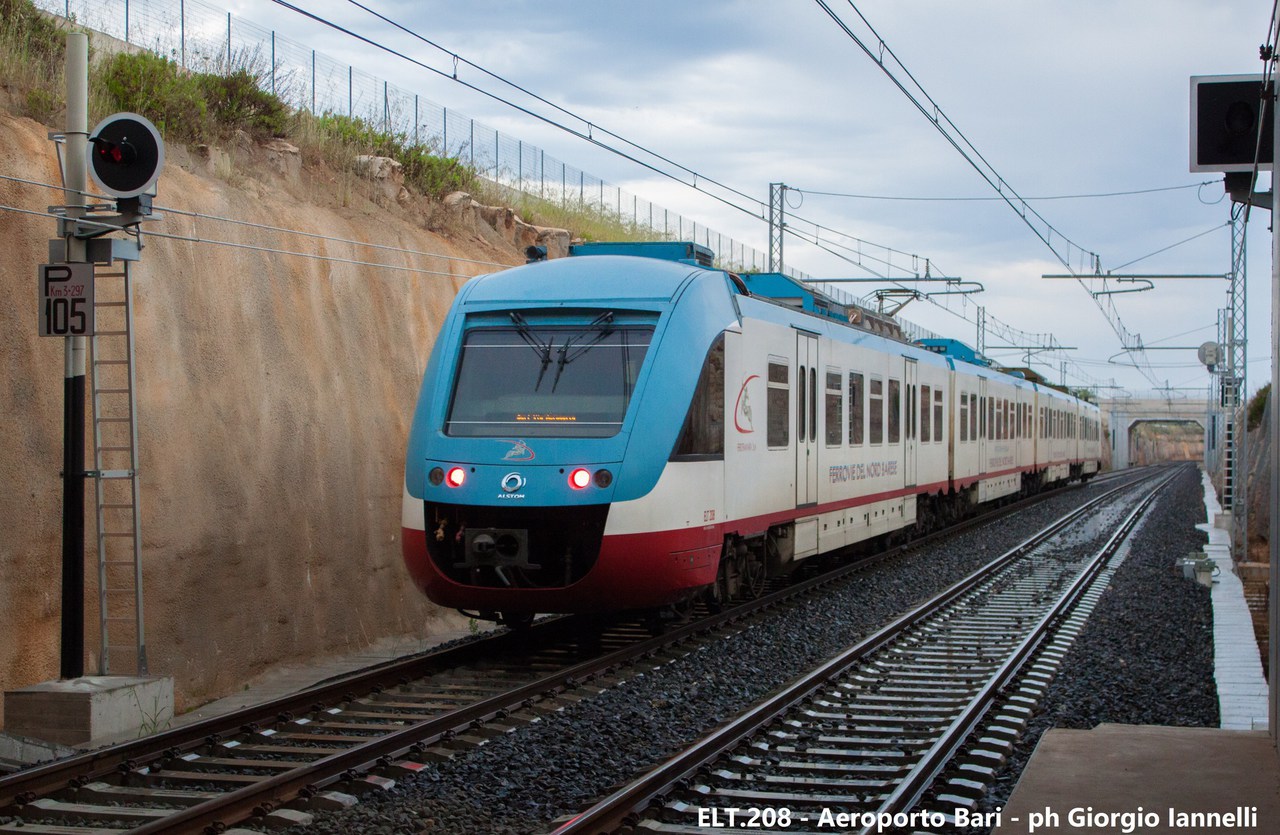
(590, 279)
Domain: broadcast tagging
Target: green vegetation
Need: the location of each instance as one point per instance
(31, 50)
(339, 139)
(588, 221)
(207, 107)
(1257, 405)
(156, 88)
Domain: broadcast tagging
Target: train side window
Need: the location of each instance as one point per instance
(813, 404)
(991, 419)
(802, 401)
(982, 417)
(925, 394)
(895, 411)
(703, 432)
(834, 408)
(778, 405)
(973, 417)
(855, 409)
(876, 407)
(937, 414)
(964, 416)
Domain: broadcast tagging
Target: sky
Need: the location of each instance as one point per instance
(1059, 97)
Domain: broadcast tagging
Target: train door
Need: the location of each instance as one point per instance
(807, 419)
(912, 418)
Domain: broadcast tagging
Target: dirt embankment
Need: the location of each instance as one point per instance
(274, 395)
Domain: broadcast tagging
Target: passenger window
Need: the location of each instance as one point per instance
(813, 404)
(834, 405)
(876, 407)
(778, 405)
(937, 414)
(801, 401)
(973, 417)
(924, 413)
(703, 432)
(964, 416)
(855, 409)
(895, 411)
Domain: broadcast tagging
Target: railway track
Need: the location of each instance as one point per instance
(881, 738)
(323, 747)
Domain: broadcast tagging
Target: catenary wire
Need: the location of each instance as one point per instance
(109, 227)
(998, 199)
(267, 227)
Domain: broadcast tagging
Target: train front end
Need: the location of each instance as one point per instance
(529, 428)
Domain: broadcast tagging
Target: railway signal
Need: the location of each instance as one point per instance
(127, 155)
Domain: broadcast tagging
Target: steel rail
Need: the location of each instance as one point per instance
(613, 811)
(913, 786)
(273, 791)
(44, 779)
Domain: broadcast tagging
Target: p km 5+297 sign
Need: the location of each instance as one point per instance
(66, 299)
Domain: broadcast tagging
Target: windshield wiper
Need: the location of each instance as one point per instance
(543, 351)
(602, 324)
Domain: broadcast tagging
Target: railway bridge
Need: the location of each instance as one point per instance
(1121, 415)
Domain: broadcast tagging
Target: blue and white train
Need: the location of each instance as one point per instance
(629, 428)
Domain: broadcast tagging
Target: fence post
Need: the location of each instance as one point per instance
(227, 69)
(415, 123)
(182, 27)
(520, 165)
(386, 112)
(313, 82)
(582, 189)
(542, 174)
(445, 131)
(351, 92)
(273, 62)
(126, 21)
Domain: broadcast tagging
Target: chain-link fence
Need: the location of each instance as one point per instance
(204, 38)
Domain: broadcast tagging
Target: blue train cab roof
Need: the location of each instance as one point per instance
(565, 280)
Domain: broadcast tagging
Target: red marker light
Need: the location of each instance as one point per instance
(456, 477)
(579, 478)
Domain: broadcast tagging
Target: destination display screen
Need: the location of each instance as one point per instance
(562, 381)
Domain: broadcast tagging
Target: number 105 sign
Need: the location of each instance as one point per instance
(66, 299)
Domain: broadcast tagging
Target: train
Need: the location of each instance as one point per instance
(631, 428)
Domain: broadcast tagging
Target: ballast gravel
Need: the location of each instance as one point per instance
(1146, 655)
(523, 781)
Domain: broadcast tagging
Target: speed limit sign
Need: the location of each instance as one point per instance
(66, 299)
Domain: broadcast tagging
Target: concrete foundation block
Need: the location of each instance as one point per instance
(90, 709)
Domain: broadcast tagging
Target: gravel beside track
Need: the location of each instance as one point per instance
(555, 767)
(1146, 655)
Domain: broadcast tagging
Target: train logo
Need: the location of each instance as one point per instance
(512, 484)
(519, 451)
(742, 409)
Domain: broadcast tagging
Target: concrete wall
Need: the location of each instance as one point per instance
(275, 395)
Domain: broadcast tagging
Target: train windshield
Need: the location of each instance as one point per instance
(539, 381)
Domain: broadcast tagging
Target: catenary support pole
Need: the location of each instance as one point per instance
(1273, 501)
(77, 135)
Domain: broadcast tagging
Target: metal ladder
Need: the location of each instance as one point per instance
(123, 647)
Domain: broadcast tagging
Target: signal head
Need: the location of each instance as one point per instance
(127, 155)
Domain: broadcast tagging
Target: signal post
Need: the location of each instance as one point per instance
(125, 162)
